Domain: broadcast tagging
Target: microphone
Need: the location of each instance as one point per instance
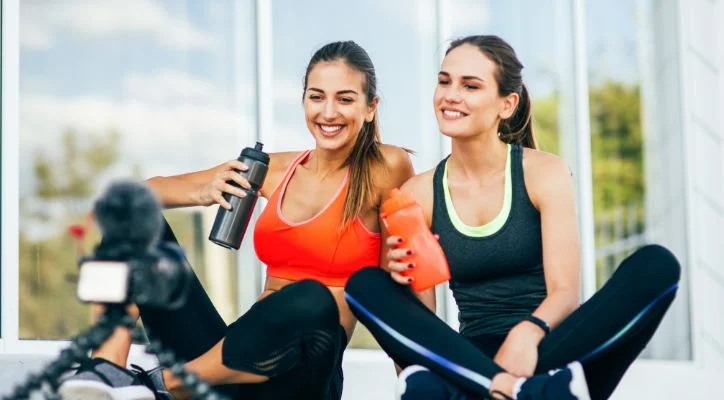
(130, 265)
(130, 220)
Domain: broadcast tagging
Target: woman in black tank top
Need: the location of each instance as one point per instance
(513, 257)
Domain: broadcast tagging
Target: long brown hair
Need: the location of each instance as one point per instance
(366, 151)
(518, 128)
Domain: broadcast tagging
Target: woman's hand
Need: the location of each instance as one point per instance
(519, 353)
(396, 264)
(213, 191)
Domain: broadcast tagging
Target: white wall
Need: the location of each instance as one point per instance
(665, 170)
(682, 64)
(701, 77)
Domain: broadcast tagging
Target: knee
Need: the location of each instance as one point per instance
(654, 264)
(312, 302)
(363, 280)
(417, 382)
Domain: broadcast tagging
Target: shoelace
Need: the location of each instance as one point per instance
(88, 365)
(145, 379)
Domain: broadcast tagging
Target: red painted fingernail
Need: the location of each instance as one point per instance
(410, 265)
(399, 240)
(409, 280)
(409, 252)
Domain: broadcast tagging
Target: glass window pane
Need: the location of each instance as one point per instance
(107, 90)
(400, 38)
(635, 200)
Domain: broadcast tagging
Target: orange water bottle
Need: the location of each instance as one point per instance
(403, 217)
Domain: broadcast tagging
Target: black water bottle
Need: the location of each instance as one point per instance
(230, 225)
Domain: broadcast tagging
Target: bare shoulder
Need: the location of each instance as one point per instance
(545, 174)
(397, 167)
(394, 156)
(280, 161)
(420, 187)
(419, 184)
(278, 164)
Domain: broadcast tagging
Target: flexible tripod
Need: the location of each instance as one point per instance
(114, 316)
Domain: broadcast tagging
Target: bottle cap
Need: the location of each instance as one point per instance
(256, 153)
(397, 201)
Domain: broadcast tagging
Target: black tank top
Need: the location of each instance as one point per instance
(498, 279)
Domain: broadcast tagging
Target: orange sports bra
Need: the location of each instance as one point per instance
(315, 248)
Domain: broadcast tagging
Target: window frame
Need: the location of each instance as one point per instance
(10, 155)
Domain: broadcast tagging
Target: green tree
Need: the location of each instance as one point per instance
(618, 168)
(545, 123)
(616, 145)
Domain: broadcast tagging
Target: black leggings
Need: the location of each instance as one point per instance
(292, 336)
(605, 334)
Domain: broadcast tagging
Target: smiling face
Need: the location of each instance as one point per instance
(335, 105)
(467, 102)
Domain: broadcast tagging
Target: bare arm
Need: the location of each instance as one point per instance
(559, 231)
(200, 188)
(551, 190)
(206, 187)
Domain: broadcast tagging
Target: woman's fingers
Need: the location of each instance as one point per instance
(394, 241)
(231, 189)
(236, 164)
(240, 180)
(398, 254)
(402, 280)
(218, 198)
(393, 266)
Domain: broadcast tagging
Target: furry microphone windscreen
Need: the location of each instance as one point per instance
(129, 215)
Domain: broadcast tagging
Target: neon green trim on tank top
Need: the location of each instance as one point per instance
(497, 222)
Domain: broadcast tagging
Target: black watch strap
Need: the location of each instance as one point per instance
(541, 324)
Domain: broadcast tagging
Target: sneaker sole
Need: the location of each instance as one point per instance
(578, 385)
(90, 390)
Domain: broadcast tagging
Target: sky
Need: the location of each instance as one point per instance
(177, 78)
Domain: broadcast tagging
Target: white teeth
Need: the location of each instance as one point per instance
(452, 114)
(330, 128)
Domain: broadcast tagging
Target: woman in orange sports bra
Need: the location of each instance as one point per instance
(321, 224)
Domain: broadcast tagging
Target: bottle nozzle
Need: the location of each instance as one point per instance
(258, 146)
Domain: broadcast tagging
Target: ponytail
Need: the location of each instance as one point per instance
(518, 129)
(366, 153)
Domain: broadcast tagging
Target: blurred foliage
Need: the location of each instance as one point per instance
(74, 175)
(545, 123)
(618, 172)
(69, 181)
(48, 306)
(617, 145)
